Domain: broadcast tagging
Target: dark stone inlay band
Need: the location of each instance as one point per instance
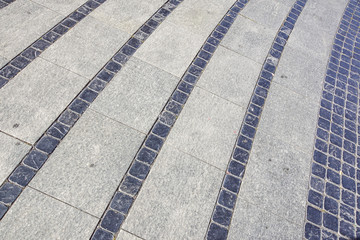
(47, 143)
(18, 63)
(222, 214)
(136, 175)
(4, 3)
(333, 202)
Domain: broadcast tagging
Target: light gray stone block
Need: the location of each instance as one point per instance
(251, 222)
(269, 13)
(123, 235)
(11, 153)
(21, 23)
(35, 98)
(37, 216)
(207, 128)
(302, 73)
(89, 163)
(249, 38)
(64, 7)
(200, 16)
(121, 14)
(136, 95)
(171, 48)
(230, 76)
(3, 61)
(277, 177)
(87, 47)
(177, 199)
(290, 117)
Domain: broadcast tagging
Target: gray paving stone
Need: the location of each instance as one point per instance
(171, 48)
(123, 235)
(88, 165)
(11, 153)
(21, 23)
(301, 72)
(249, 38)
(121, 14)
(230, 76)
(64, 7)
(269, 13)
(87, 47)
(200, 16)
(251, 222)
(35, 97)
(274, 170)
(289, 117)
(177, 199)
(207, 128)
(3, 61)
(136, 95)
(37, 216)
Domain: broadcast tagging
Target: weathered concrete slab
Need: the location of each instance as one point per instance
(177, 199)
(123, 235)
(136, 95)
(88, 165)
(38, 216)
(64, 7)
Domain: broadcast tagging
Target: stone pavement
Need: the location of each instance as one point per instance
(179, 119)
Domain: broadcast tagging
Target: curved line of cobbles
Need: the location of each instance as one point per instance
(334, 187)
(224, 208)
(42, 149)
(120, 204)
(18, 63)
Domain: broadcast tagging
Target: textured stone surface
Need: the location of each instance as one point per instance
(35, 97)
(176, 200)
(230, 76)
(38, 216)
(87, 167)
(270, 13)
(3, 61)
(63, 7)
(21, 23)
(249, 38)
(123, 235)
(136, 95)
(11, 153)
(289, 117)
(207, 128)
(87, 47)
(121, 14)
(252, 222)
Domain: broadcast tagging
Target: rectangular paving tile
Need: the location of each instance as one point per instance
(249, 38)
(207, 128)
(37, 216)
(125, 235)
(35, 97)
(136, 95)
(3, 61)
(289, 117)
(173, 45)
(121, 14)
(269, 13)
(11, 153)
(64, 7)
(87, 47)
(86, 168)
(251, 222)
(301, 72)
(277, 177)
(230, 76)
(176, 200)
(21, 23)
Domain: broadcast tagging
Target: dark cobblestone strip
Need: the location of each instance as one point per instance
(222, 214)
(333, 204)
(42, 149)
(12, 68)
(119, 206)
(4, 3)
